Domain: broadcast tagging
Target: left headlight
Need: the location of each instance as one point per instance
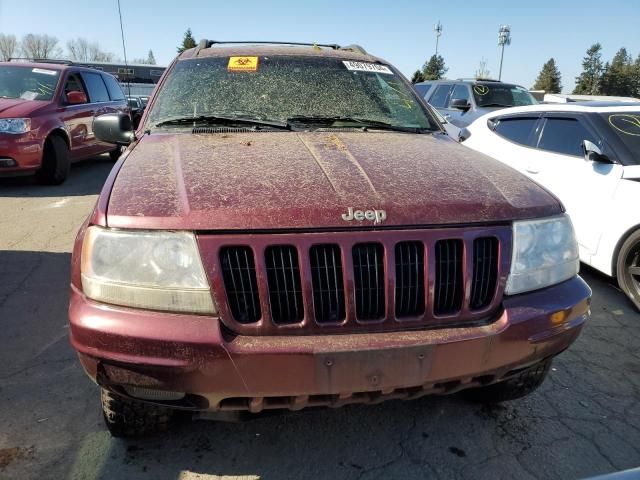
(156, 270)
(15, 125)
(545, 252)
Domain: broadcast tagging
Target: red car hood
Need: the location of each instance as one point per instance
(286, 180)
(18, 108)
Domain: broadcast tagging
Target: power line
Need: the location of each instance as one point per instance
(124, 50)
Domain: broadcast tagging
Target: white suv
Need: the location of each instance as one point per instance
(588, 154)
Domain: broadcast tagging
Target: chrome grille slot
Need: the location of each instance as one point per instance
(449, 288)
(283, 277)
(369, 280)
(485, 271)
(409, 279)
(239, 276)
(328, 283)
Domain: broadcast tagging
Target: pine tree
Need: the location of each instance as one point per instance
(618, 77)
(549, 78)
(151, 59)
(434, 69)
(187, 42)
(588, 82)
(417, 77)
(636, 78)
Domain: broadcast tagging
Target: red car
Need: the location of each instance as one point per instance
(46, 117)
(290, 227)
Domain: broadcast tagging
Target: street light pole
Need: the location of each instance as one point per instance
(504, 38)
(438, 29)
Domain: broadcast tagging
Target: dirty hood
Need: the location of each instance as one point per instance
(290, 180)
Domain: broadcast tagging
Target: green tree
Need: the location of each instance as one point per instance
(588, 82)
(434, 69)
(187, 42)
(619, 77)
(636, 77)
(151, 59)
(549, 78)
(417, 77)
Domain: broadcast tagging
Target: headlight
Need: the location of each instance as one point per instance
(145, 269)
(15, 125)
(545, 252)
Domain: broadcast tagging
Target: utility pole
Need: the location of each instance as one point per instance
(438, 29)
(504, 38)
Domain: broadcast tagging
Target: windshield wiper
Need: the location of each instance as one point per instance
(222, 120)
(361, 122)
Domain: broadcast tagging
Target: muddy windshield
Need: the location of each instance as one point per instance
(28, 83)
(288, 89)
(626, 126)
(501, 95)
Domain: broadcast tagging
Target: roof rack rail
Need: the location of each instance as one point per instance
(354, 48)
(474, 79)
(204, 43)
(40, 60)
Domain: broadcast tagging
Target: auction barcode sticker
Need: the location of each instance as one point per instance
(366, 67)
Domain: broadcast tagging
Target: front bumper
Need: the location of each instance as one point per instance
(120, 347)
(19, 154)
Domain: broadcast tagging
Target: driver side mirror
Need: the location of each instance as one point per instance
(592, 152)
(114, 128)
(75, 97)
(460, 104)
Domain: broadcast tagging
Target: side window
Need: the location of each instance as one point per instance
(115, 91)
(73, 84)
(439, 97)
(461, 92)
(564, 136)
(97, 89)
(517, 129)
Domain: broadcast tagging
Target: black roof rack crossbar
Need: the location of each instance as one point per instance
(210, 43)
(40, 60)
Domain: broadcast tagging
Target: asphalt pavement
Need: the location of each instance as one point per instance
(583, 421)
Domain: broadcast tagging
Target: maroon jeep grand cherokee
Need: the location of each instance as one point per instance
(46, 117)
(290, 227)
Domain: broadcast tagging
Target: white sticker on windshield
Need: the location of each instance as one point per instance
(28, 95)
(366, 67)
(44, 71)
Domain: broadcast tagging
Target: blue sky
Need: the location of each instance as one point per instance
(400, 31)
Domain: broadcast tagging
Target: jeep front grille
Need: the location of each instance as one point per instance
(328, 283)
(239, 273)
(368, 274)
(314, 283)
(283, 276)
(409, 279)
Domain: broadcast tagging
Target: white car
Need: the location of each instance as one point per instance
(588, 155)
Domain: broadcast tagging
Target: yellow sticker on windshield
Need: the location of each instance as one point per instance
(242, 64)
(481, 89)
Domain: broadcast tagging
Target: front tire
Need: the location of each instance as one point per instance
(518, 386)
(56, 161)
(125, 417)
(628, 268)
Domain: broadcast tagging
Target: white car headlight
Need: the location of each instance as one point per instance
(156, 270)
(15, 125)
(545, 252)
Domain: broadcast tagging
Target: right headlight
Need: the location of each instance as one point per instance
(545, 252)
(156, 270)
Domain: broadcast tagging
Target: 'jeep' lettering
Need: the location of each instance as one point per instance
(376, 216)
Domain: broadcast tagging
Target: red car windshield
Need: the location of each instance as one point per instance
(28, 83)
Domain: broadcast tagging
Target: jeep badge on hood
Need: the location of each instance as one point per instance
(376, 216)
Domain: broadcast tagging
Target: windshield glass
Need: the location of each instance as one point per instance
(626, 126)
(279, 88)
(28, 83)
(501, 95)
